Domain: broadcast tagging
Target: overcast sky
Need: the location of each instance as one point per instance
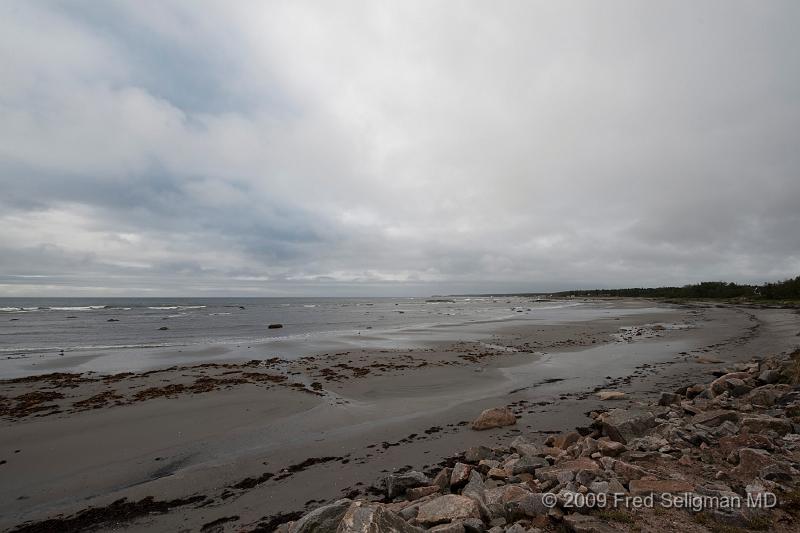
(396, 148)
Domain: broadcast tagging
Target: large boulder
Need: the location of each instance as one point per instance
(623, 425)
(368, 517)
(448, 508)
(323, 519)
(494, 418)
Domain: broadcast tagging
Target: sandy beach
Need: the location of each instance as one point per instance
(244, 445)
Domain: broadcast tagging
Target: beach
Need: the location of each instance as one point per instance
(240, 437)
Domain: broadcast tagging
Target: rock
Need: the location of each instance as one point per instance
(558, 472)
(323, 519)
(163, 328)
(625, 470)
(599, 487)
(528, 465)
(494, 418)
(516, 528)
(474, 525)
(275, 326)
(751, 461)
(498, 473)
(397, 484)
(695, 390)
(643, 487)
(564, 440)
(528, 506)
(781, 426)
(769, 376)
(477, 454)
(505, 494)
(624, 424)
(476, 490)
(767, 395)
(460, 475)
(610, 395)
(581, 523)
(716, 417)
(420, 492)
(368, 517)
(442, 479)
(744, 440)
(452, 527)
(448, 508)
(669, 398)
(721, 384)
(610, 447)
(524, 447)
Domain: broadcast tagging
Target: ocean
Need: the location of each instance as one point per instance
(42, 329)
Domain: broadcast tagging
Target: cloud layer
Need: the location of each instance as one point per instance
(300, 148)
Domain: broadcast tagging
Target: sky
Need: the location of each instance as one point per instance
(201, 148)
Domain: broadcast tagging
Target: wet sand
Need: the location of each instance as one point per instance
(255, 440)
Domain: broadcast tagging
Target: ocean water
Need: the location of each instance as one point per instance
(116, 334)
(54, 324)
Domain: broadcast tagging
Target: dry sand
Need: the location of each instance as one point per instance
(238, 446)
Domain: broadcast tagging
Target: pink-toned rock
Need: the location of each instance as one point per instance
(448, 508)
(494, 418)
(751, 461)
(460, 475)
(720, 385)
(368, 517)
(610, 447)
(564, 440)
(625, 470)
(420, 492)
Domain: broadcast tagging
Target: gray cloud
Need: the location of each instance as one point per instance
(360, 148)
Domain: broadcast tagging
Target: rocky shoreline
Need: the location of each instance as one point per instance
(721, 456)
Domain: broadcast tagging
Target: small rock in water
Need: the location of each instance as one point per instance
(275, 326)
(163, 328)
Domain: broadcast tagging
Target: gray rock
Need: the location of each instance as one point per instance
(477, 454)
(623, 425)
(396, 484)
(368, 517)
(528, 506)
(669, 398)
(524, 447)
(528, 464)
(474, 525)
(323, 519)
(448, 508)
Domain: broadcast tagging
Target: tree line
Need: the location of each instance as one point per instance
(781, 290)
